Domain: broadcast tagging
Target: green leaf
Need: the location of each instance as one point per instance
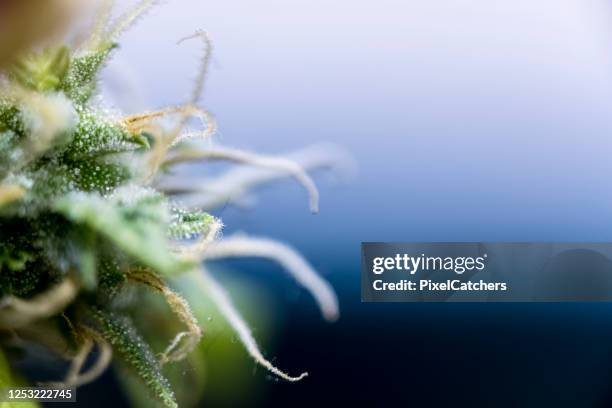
(135, 224)
(42, 72)
(98, 175)
(96, 135)
(121, 334)
(79, 82)
(188, 224)
(10, 118)
(141, 139)
(86, 258)
(60, 63)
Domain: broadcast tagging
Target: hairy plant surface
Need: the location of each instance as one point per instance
(91, 209)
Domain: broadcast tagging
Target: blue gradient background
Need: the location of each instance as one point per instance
(469, 120)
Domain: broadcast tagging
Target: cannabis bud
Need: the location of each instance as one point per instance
(97, 227)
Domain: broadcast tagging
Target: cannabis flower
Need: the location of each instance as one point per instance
(90, 207)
